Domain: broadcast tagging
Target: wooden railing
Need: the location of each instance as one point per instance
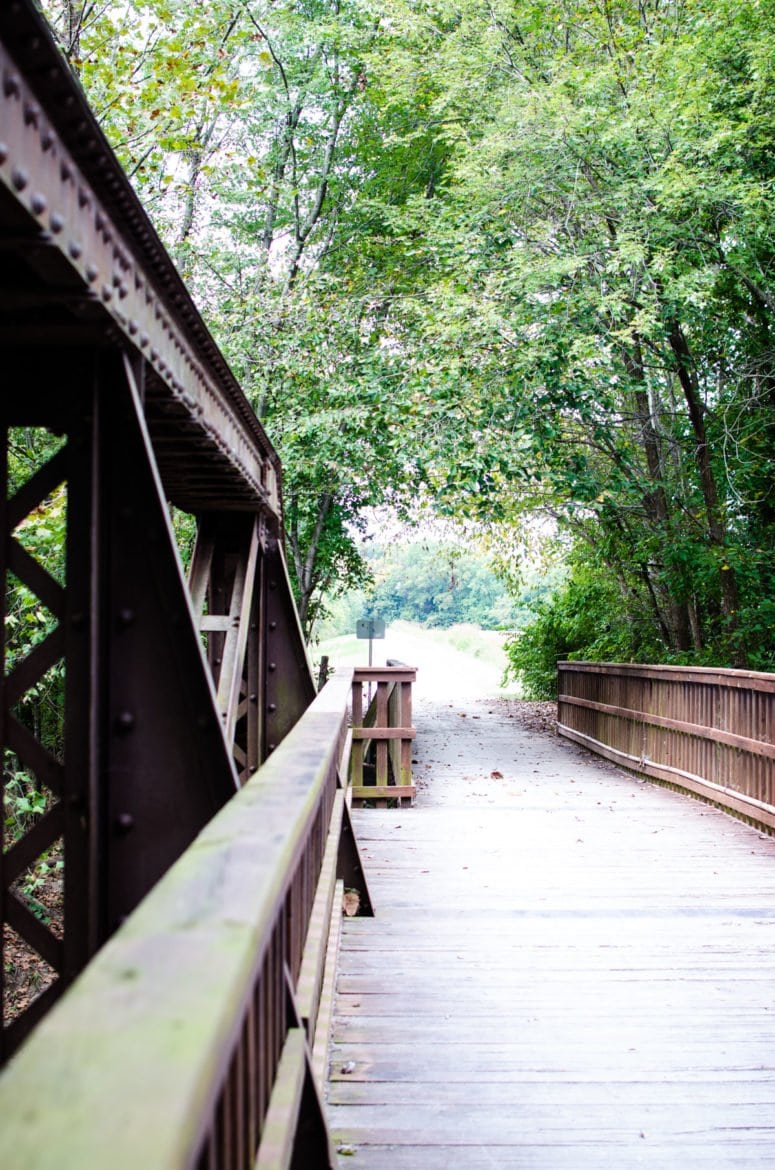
(382, 727)
(197, 1038)
(710, 732)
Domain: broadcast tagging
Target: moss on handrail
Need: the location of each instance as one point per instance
(127, 1070)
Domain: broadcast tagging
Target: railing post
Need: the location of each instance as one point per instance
(356, 758)
(385, 729)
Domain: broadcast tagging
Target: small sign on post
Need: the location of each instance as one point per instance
(370, 628)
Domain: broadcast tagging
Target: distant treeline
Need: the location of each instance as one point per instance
(434, 584)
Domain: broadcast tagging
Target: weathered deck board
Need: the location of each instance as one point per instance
(568, 969)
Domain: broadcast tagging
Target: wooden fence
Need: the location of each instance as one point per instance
(710, 732)
(382, 727)
(197, 1038)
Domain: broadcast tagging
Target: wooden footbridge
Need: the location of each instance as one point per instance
(568, 967)
(565, 966)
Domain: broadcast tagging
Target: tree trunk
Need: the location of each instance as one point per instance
(713, 512)
(655, 503)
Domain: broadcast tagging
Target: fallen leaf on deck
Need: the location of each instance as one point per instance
(348, 1068)
(496, 775)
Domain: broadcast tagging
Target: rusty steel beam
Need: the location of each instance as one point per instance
(173, 693)
(87, 265)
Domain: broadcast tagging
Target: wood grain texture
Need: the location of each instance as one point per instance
(568, 968)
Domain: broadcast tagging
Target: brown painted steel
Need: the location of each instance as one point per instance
(175, 692)
(101, 344)
(82, 264)
(709, 731)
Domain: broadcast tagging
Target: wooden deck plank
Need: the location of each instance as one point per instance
(567, 968)
(558, 1157)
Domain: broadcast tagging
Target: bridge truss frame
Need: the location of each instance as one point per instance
(175, 689)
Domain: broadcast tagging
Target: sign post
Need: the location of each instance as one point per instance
(370, 628)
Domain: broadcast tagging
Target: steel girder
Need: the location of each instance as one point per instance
(171, 696)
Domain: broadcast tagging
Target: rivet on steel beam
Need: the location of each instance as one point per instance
(132, 328)
(84, 198)
(271, 665)
(65, 171)
(11, 85)
(253, 697)
(144, 339)
(271, 708)
(19, 178)
(47, 139)
(107, 293)
(272, 584)
(273, 625)
(78, 621)
(126, 616)
(125, 721)
(57, 222)
(99, 221)
(75, 250)
(3, 152)
(31, 114)
(154, 355)
(125, 822)
(38, 203)
(92, 272)
(271, 746)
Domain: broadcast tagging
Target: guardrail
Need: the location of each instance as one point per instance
(170, 693)
(197, 1037)
(710, 732)
(383, 727)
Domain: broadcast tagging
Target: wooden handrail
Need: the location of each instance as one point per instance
(386, 725)
(707, 731)
(187, 1042)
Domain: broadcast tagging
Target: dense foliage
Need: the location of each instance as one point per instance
(518, 252)
(432, 584)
